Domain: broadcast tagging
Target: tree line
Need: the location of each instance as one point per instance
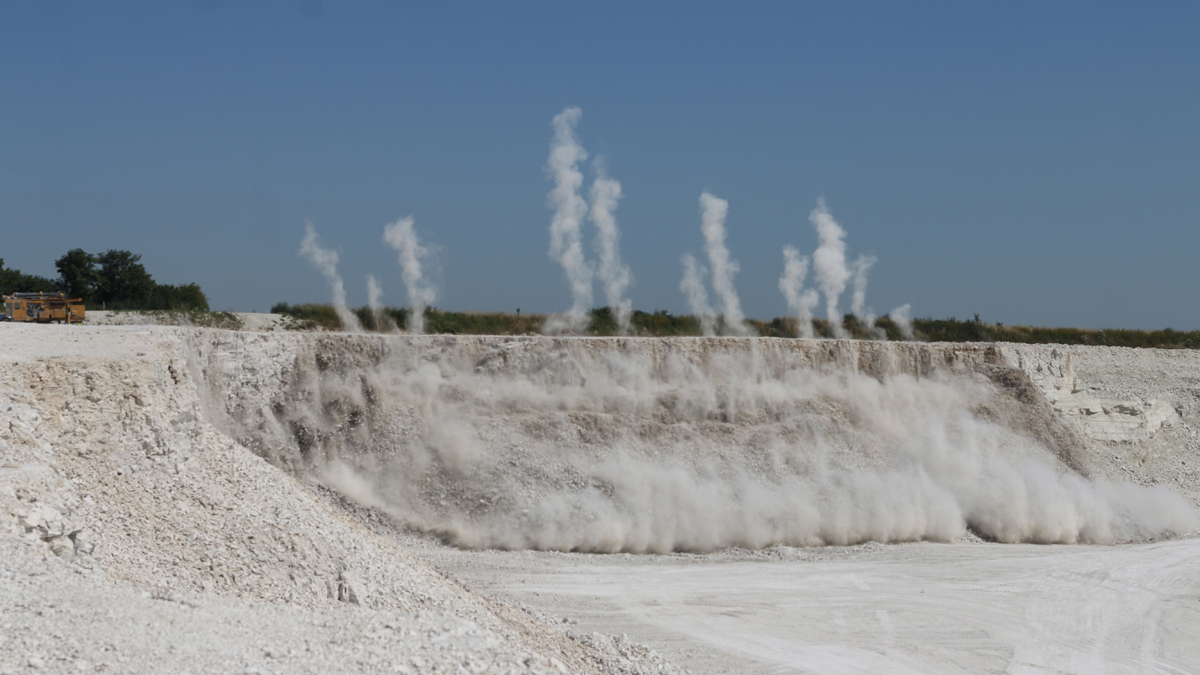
(110, 280)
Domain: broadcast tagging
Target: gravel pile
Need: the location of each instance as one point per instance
(139, 538)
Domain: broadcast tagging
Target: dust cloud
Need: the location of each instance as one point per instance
(693, 288)
(413, 255)
(689, 445)
(566, 228)
(713, 211)
(614, 274)
(326, 261)
(800, 301)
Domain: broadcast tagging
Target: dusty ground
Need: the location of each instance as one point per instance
(900, 608)
(141, 530)
(247, 321)
(56, 616)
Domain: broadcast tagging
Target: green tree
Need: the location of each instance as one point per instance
(186, 298)
(123, 282)
(14, 281)
(77, 274)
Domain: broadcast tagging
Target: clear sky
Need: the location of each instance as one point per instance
(1035, 163)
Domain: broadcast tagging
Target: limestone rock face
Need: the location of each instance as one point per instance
(1107, 419)
(1100, 411)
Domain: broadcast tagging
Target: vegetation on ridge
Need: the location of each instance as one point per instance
(664, 324)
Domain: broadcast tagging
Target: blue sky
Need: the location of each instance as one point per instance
(1034, 163)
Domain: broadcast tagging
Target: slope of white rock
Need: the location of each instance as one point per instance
(141, 533)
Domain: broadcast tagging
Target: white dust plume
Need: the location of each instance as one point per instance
(858, 301)
(326, 261)
(614, 274)
(697, 445)
(350, 484)
(713, 211)
(375, 303)
(693, 288)
(402, 236)
(800, 300)
(902, 317)
(829, 264)
(566, 244)
(374, 294)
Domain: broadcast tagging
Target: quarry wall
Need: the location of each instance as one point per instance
(464, 435)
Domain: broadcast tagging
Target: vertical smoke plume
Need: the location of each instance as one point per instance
(326, 261)
(829, 263)
(902, 317)
(693, 289)
(569, 210)
(712, 223)
(401, 236)
(859, 300)
(800, 302)
(858, 304)
(606, 192)
(374, 294)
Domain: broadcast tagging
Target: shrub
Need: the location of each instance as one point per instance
(310, 316)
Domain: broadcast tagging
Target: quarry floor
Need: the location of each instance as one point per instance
(906, 608)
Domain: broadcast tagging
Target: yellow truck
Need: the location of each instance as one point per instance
(42, 308)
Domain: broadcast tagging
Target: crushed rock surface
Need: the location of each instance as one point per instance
(56, 616)
(139, 538)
